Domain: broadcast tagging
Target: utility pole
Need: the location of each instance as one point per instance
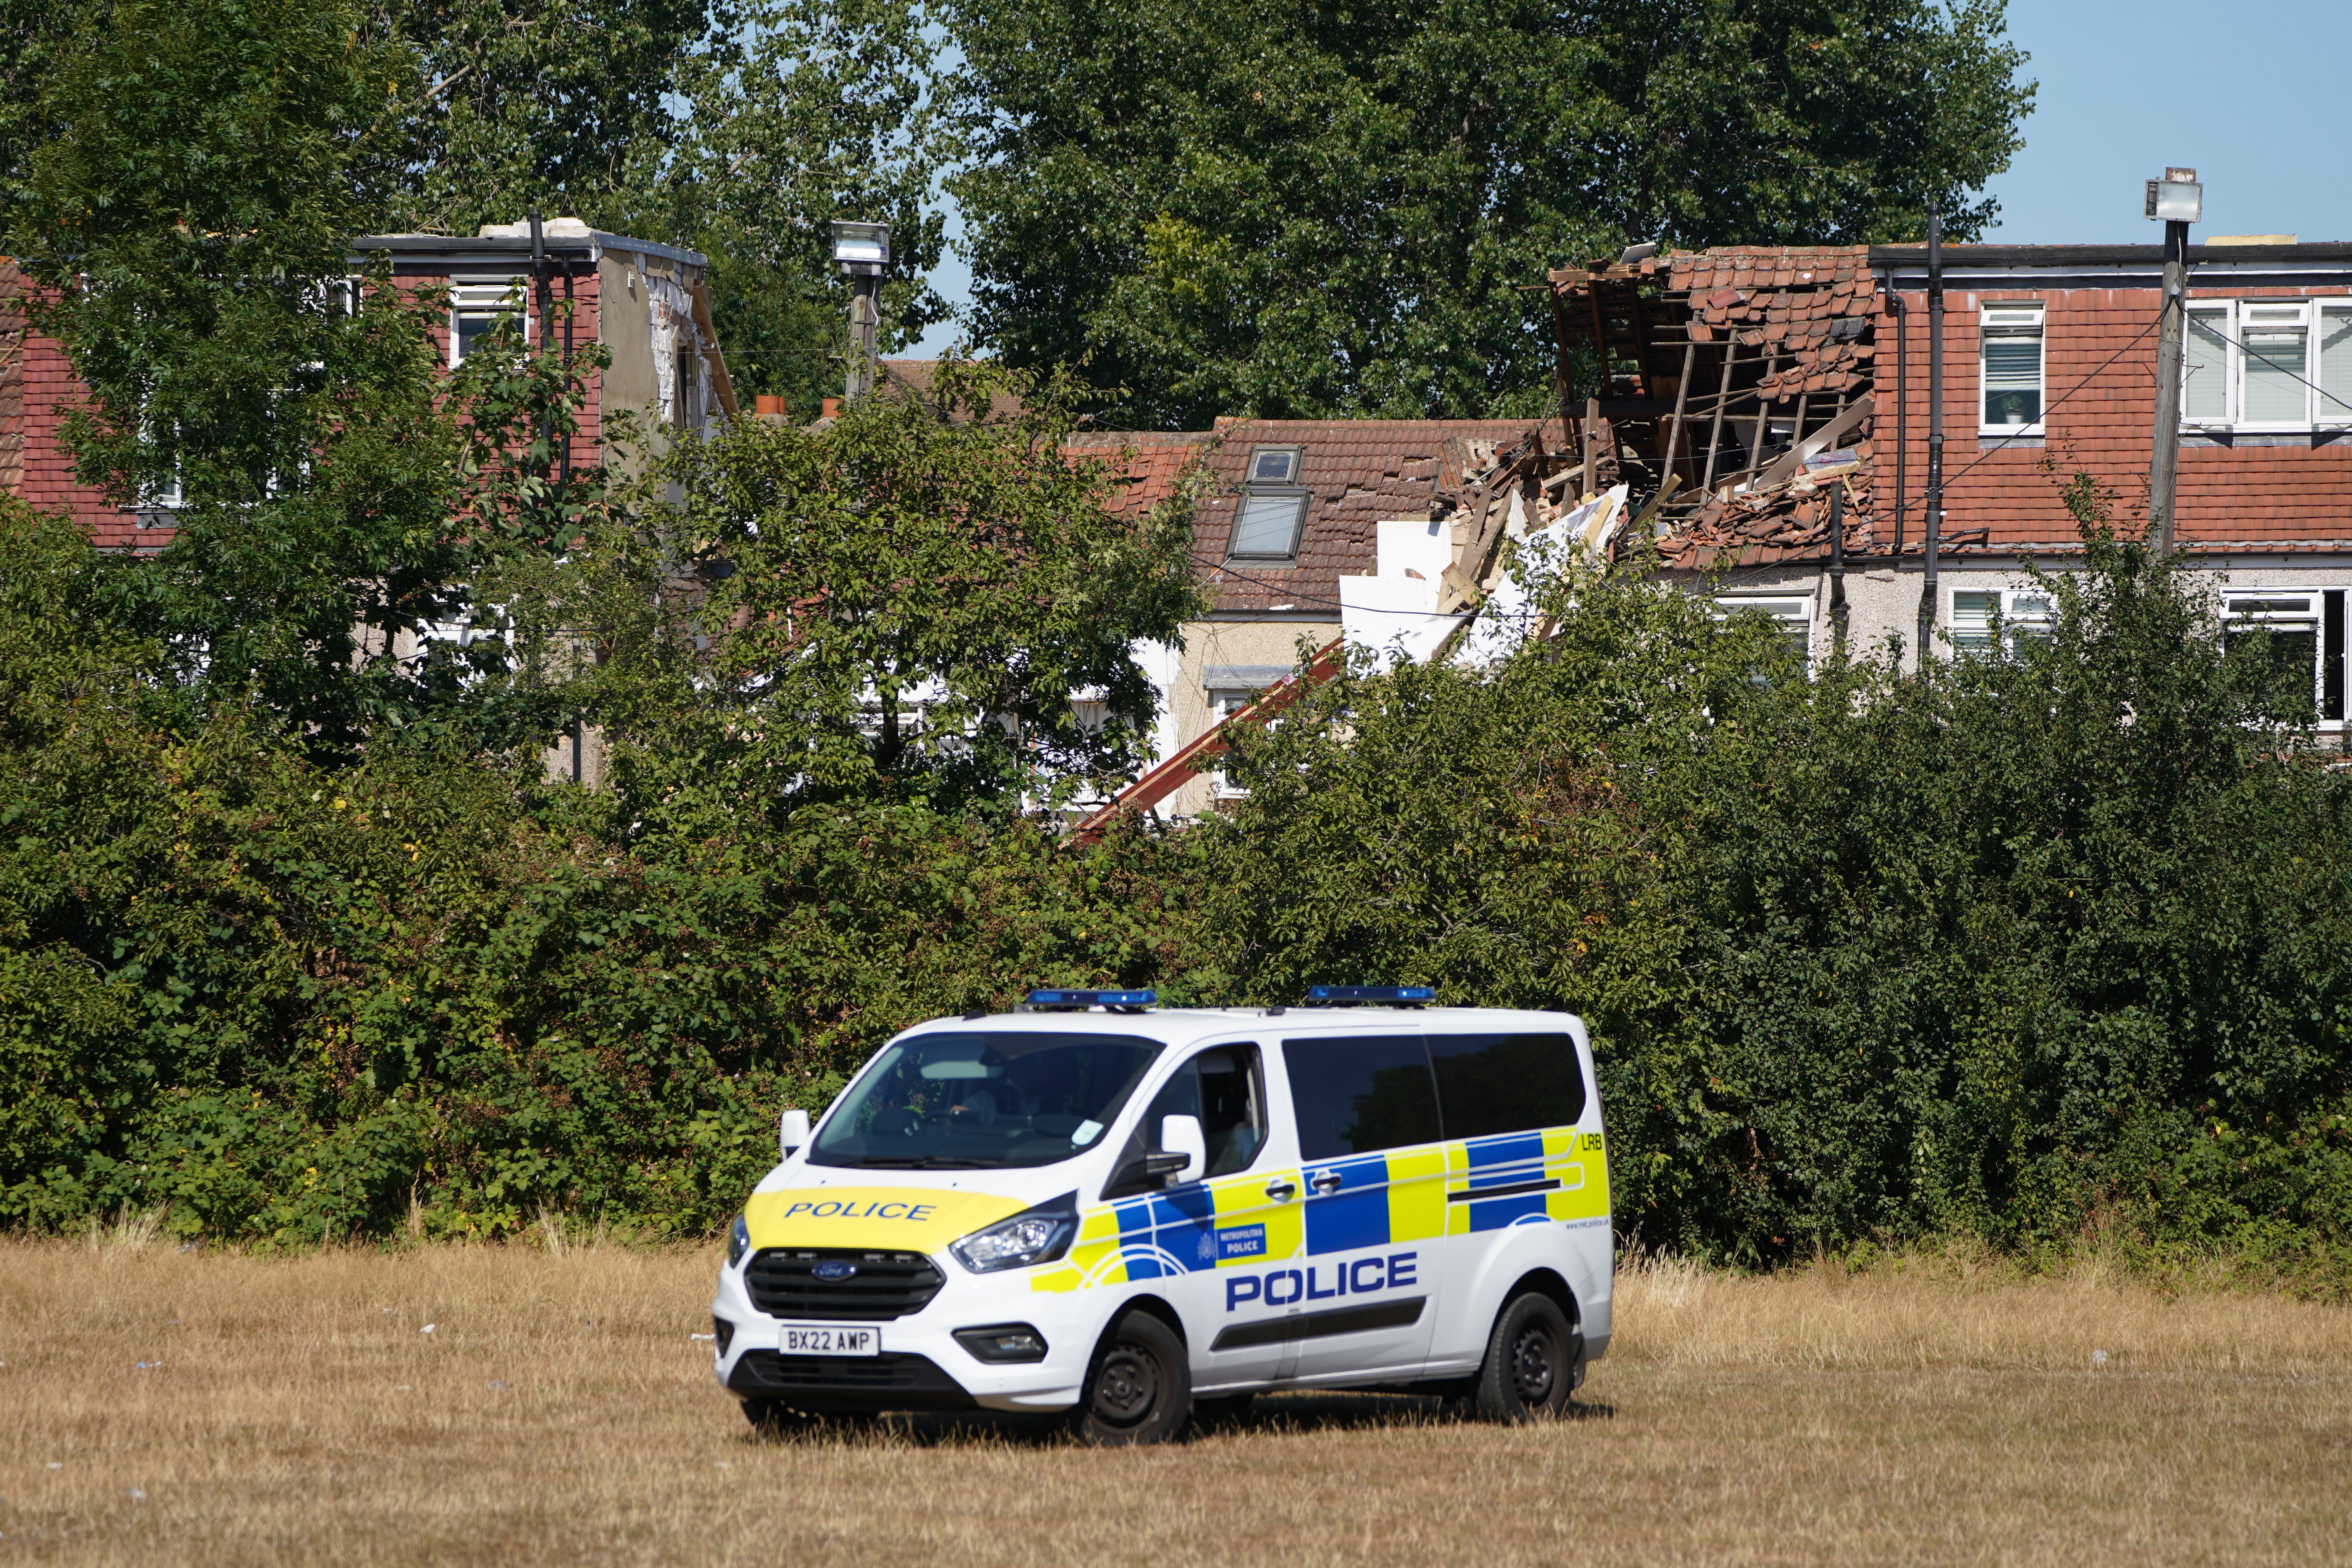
(2178, 200)
(1934, 524)
(862, 251)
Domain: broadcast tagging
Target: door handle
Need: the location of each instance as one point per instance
(1280, 1191)
(1325, 1182)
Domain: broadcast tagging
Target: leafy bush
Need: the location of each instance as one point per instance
(2038, 939)
(294, 998)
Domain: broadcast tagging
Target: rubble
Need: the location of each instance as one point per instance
(1735, 390)
(1733, 401)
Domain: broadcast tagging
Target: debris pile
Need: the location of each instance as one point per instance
(1510, 492)
(1493, 501)
(1734, 391)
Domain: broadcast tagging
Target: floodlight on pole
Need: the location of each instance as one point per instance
(862, 251)
(2178, 201)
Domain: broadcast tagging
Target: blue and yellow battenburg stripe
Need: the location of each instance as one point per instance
(1406, 1194)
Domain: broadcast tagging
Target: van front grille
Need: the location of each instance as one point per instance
(786, 1282)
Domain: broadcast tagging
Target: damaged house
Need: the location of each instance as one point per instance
(1768, 410)
(1757, 418)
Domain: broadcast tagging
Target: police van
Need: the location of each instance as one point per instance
(1133, 1214)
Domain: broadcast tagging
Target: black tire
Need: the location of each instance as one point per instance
(1140, 1389)
(1530, 1365)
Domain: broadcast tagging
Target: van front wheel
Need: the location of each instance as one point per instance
(1140, 1387)
(1531, 1361)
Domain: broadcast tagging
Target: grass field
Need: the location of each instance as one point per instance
(296, 1411)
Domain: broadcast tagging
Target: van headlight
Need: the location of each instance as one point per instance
(1033, 1236)
(738, 1241)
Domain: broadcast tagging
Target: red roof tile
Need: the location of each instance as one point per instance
(1358, 472)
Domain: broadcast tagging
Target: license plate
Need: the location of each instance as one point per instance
(828, 1339)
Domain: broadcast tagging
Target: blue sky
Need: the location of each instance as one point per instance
(2248, 99)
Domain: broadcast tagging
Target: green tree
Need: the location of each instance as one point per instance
(913, 602)
(1240, 209)
(740, 130)
(813, 111)
(290, 995)
(529, 103)
(184, 218)
(2054, 933)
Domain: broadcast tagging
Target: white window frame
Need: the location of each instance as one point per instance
(2305, 319)
(2025, 612)
(2225, 312)
(2236, 319)
(2012, 318)
(2274, 608)
(509, 297)
(169, 496)
(2322, 416)
(1224, 701)
(1791, 613)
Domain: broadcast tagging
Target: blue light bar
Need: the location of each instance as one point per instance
(1342, 995)
(1093, 998)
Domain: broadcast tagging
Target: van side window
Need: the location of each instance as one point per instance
(1354, 1094)
(1221, 1088)
(1507, 1083)
(1226, 1089)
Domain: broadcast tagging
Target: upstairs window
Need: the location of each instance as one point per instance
(1274, 466)
(2208, 389)
(1271, 513)
(2302, 638)
(2267, 365)
(2011, 339)
(1792, 618)
(476, 311)
(1266, 525)
(2276, 343)
(2335, 395)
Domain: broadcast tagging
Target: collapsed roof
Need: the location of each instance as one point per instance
(1730, 390)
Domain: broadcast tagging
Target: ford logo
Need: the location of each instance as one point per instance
(834, 1272)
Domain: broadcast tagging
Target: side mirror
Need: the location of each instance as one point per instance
(1183, 1135)
(1147, 1174)
(792, 1131)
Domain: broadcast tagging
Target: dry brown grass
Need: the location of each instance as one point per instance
(1936, 1410)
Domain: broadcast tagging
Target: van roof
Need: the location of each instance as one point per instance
(1181, 1026)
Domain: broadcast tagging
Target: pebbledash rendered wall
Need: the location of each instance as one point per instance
(2257, 509)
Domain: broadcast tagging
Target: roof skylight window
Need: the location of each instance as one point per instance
(1267, 524)
(1274, 466)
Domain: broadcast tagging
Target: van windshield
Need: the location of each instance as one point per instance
(983, 1102)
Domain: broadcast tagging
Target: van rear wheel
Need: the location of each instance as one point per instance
(1140, 1389)
(1530, 1363)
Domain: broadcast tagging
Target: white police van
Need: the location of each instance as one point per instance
(1132, 1214)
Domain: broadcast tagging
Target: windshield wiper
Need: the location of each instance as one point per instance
(926, 1162)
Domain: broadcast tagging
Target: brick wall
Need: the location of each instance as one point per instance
(38, 384)
(2099, 412)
